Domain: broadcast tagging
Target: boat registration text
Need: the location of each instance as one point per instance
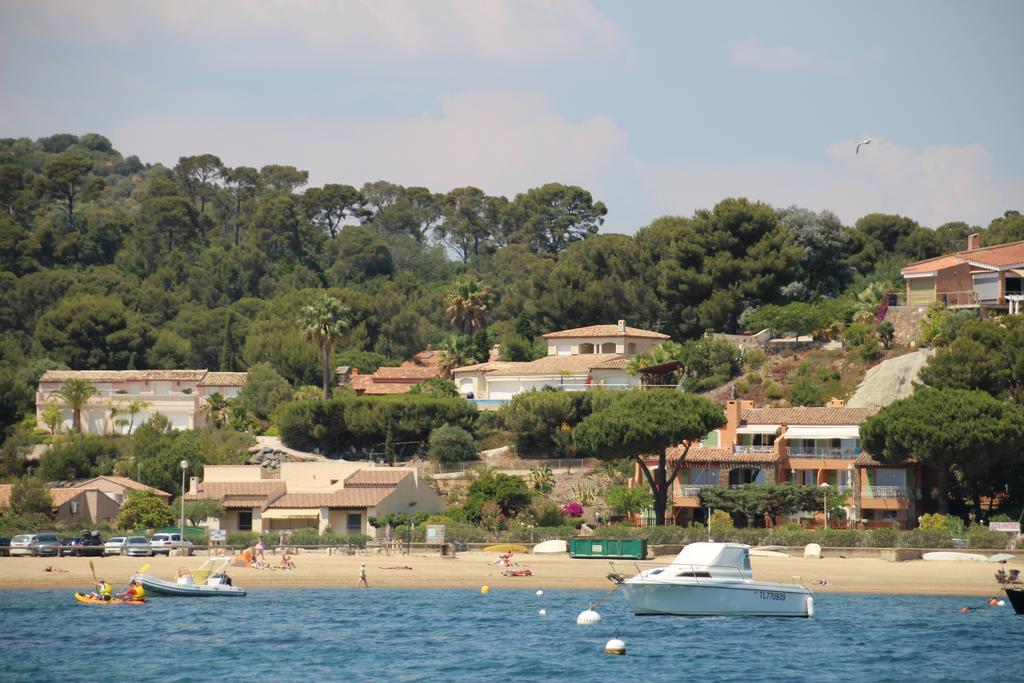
(772, 595)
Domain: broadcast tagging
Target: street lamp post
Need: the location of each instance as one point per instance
(184, 468)
(824, 487)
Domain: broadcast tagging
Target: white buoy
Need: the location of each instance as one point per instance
(540, 592)
(543, 612)
(588, 616)
(615, 647)
(1001, 603)
(810, 606)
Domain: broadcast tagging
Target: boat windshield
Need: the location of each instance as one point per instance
(715, 555)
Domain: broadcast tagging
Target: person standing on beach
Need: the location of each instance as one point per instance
(362, 577)
(258, 551)
(387, 538)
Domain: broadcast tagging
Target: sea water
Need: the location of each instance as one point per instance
(461, 635)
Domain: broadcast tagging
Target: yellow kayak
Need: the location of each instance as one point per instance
(505, 547)
(89, 600)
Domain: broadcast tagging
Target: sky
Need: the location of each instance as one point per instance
(654, 107)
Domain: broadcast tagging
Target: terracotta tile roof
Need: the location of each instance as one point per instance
(341, 498)
(386, 388)
(377, 478)
(999, 256)
(223, 379)
(61, 496)
(806, 416)
(605, 331)
(865, 460)
(121, 481)
(931, 265)
(239, 493)
(427, 358)
(705, 455)
(553, 365)
(411, 372)
(5, 495)
(614, 364)
(487, 367)
(123, 375)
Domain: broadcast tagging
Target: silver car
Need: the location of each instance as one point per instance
(137, 546)
(165, 543)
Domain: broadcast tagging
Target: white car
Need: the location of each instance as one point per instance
(162, 544)
(22, 544)
(113, 546)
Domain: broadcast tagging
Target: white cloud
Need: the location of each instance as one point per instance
(520, 32)
(503, 142)
(752, 53)
(933, 186)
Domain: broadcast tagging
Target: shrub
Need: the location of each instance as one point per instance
(146, 510)
(625, 500)
(947, 523)
(535, 417)
(980, 536)
(450, 444)
(772, 391)
(720, 519)
(754, 359)
(572, 509)
(545, 514)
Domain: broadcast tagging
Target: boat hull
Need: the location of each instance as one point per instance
(1016, 598)
(713, 598)
(169, 588)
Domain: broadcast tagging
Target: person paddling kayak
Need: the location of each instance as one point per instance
(103, 591)
(134, 592)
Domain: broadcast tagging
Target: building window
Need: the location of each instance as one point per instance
(245, 520)
(586, 348)
(631, 349)
(354, 523)
(74, 507)
(608, 347)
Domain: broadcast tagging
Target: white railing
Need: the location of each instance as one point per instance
(753, 449)
(823, 453)
(693, 490)
(884, 492)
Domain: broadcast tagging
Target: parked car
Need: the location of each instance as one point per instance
(136, 546)
(46, 545)
(5, 546)
(88, 544)
(20, 544)
(162, 544)
(114, 545)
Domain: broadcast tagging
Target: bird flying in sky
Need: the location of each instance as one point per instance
(862, 143)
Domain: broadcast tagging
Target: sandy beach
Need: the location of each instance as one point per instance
(474, 569)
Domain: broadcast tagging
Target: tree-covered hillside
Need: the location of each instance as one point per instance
(107, 262)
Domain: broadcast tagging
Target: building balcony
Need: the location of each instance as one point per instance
(692, 490)
(752, 449)
(884, 492)
(824, 453)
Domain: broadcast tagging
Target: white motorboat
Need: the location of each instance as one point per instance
(208, 581)
(714, 579)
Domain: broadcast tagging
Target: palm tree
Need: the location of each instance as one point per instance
(76, 393)
(468, 305)
(216, 409)
(456, 352)
(132, 408)
(325, 323)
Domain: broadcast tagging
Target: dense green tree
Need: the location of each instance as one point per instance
(330, 206)
(68, 180)
(549, 218)
(508, 492)
(768, 502)
(29, 496)
(969, 435)
(197, 175)
(285, 179)
(645, 424)
(285, 349)
(144, 510)
(471, 221)
(16, 399)
(628, 500)
(984, 355)
(93, 332)
(1007, 228)
(198, 511)
(468, 305)
(358, 254)
(79, 457)
(264, 391)
(324, 322)
(821, 235)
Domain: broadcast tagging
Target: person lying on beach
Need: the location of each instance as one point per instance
(55, 570)
(399, 567)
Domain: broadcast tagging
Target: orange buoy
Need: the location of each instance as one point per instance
(964, 610)
(992, 602)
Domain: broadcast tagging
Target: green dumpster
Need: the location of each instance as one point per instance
(608, 548)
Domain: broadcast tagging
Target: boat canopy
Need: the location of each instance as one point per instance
(715, 555)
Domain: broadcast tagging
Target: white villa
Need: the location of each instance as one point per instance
(336, 495)
(178, 395)
(577, 359)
